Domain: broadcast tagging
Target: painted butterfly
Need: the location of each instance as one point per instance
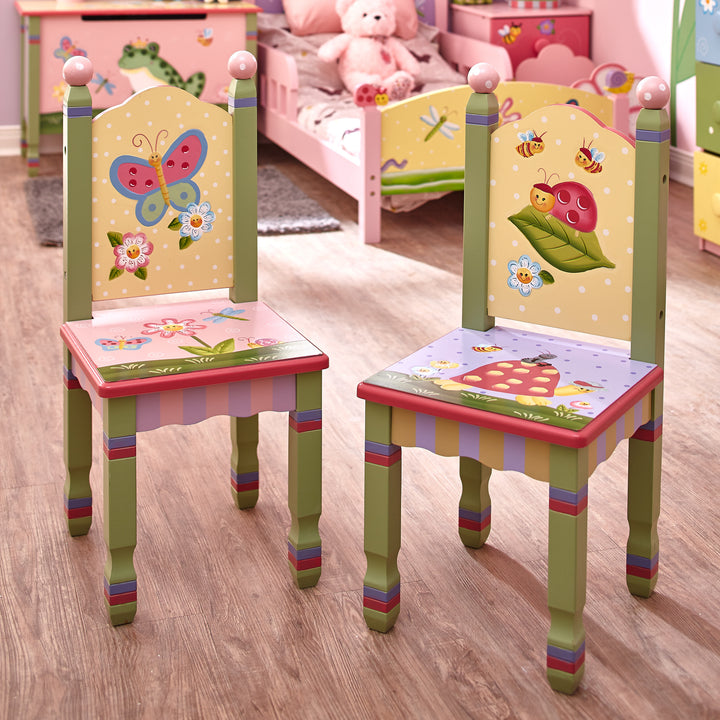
(160, 182)
(122, 343)
(67, 49)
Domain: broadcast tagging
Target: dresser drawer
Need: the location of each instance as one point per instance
(707, 35)
(708, 106)
(706, 197)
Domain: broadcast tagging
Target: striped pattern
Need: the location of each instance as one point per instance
(381, 454)
(242, 482)
(304, 420)
(83, 111)
(383, 602)
(476, 521)
(650, 431)
(117, 448)
(78, 507)
(533, 4)
(33, 39)
(642, 567)
(121, 593)
(241, 102)
(652, 135)
(569, 661)
(306, 559)
(71, 382)
(473, 119)
(504, 451)
(568, 502)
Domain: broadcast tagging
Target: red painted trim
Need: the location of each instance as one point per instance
(122, 598)
(379, 605)
(73, 513)
(384, 460)
(648, 435)
(641, 572)
(302, 427)
(568, 508)
(515, 426)
(244, 487)
(119, 453)
(473, 524)
(197, 378)
(306, 564)
(564, 665)
(43, 9)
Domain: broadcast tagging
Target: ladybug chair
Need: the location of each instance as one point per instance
(160, 196)
(565, 227)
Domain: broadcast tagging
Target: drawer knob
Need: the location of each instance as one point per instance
(716, 204)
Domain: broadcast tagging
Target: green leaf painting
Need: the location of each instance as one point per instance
(560, 245)
(185, 242)
(115, 272)
(115, 238)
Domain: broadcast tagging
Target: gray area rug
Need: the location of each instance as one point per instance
(283, 208)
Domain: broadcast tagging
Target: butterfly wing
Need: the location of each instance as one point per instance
(136, 179)
(182, 193)
(184, 158)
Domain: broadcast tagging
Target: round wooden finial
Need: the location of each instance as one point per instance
(78, 71)
(653, 92)
(483, 78)
(242, 65)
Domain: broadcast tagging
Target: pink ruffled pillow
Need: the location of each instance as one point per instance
(309, 17)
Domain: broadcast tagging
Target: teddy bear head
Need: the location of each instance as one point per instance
(367, 18)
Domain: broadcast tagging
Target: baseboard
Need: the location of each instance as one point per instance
(681, 166)
(681, 161)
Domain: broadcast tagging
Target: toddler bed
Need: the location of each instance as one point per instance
(393, 156)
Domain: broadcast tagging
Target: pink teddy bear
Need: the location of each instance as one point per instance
(367, 52)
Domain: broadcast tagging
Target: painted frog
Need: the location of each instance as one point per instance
(145, 68)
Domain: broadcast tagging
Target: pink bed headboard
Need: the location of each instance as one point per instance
(431, 12)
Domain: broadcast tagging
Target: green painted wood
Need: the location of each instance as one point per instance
(305, 478)
(251, 33)
(32, 136)
(245, 287)
(77, 208)
(652, 176)
(23, 91)
(567, 564)
(476, 214)
(77, 421)
(244, 435)
(120, 505)
(475, 478)
(382, 518)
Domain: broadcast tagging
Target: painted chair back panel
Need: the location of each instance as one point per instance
(161, 196)
(561, 223)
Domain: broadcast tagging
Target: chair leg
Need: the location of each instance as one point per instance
(305, 481)
(474, 511)
(78, 456)
(567, 567)
(643, 508)
(120, 508)
(244, 475)
(383, 470)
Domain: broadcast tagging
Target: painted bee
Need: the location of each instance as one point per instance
(531, 144)
(509, 33)
(589, 158)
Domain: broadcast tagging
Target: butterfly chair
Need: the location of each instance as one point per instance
(161, 197)
(587, 253)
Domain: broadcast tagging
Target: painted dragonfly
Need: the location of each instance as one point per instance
(439, 123)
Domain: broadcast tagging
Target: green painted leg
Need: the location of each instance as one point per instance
(32, 129)
(78, 455)
(567, 568)
(383, 471)
(305, 481)
(474, 512)
(244, 475)
(120, 509)
(643, 509)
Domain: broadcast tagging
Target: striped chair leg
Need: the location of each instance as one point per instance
(643, 508)
(244, 475)
(474, 511)
(120, 508)
(567, 568)
(78, 456)
(305, 481)
(383, 466)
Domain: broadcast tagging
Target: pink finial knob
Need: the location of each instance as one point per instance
(483, 78)
(653, 92)
(242, 65)
(78, 71)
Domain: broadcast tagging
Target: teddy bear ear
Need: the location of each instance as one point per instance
(341, 6)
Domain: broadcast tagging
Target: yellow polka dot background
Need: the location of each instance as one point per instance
(205, 263)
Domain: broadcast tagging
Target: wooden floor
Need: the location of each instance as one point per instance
(221, 631)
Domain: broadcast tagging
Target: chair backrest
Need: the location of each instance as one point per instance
(565, 219)
(160, 192)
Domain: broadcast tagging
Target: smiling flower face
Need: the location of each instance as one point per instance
(168, 327)
(133, 253)
(707, 5)
(196, 220)
(524, 275)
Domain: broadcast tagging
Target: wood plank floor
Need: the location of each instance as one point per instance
(221, 631)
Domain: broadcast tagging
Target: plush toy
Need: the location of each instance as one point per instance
(366, 51)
